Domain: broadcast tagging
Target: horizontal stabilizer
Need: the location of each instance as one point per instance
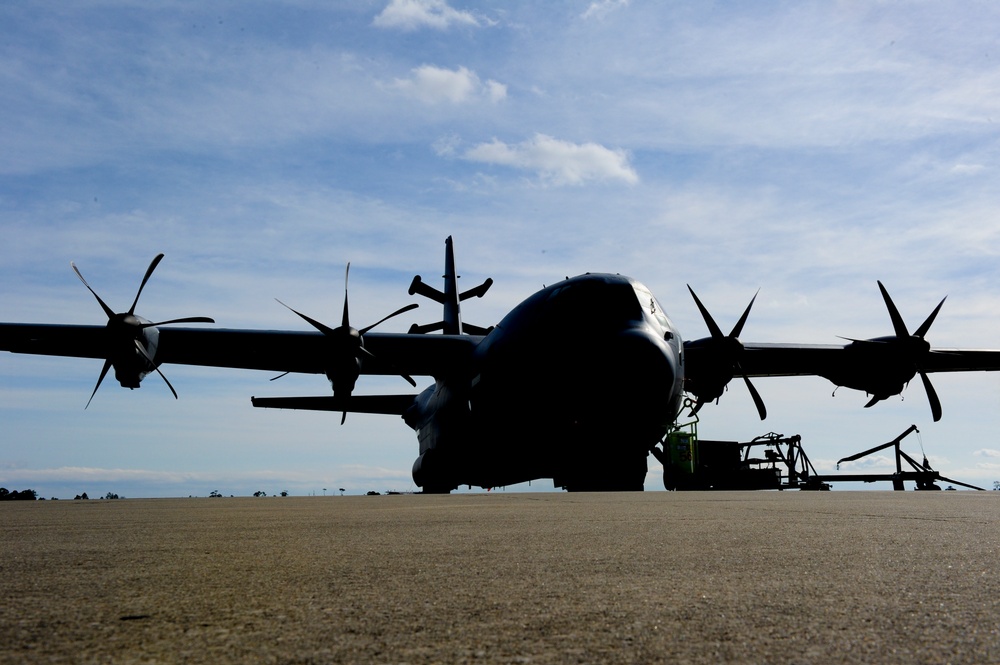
(394, 405)
(417, 286)
(477, 291)
(416, 329)
(470, 329)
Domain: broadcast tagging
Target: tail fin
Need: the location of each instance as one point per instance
(450, 298)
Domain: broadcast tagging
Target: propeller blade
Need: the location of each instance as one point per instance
(713, 327)
(346, 332)
(897, 320)
(145, 278)
(326, 330)
(738, 328)
(145, 355)
(279, 376)
(931, 397)
(399, 311)
(761, 411)
(346, 319)
(925, 326)
(104, 373)
(873, 342)
(107, 310)
(123, 326)
(189, 319)
(728, 349)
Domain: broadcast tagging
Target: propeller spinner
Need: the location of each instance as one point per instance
(349, 347)
(126, 334)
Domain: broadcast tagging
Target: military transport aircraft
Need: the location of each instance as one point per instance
(578, 383)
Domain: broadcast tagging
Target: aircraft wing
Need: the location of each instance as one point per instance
(271, 350)
(53, 340)
(394, 405)
(292, 351)
(880, 367)
(830, 359)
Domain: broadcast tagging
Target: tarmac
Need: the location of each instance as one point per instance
(754, 577)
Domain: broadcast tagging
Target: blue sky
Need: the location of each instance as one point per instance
(805, 149)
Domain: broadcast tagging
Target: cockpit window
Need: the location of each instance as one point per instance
(651, 306)
(593, 303)
(586, 303)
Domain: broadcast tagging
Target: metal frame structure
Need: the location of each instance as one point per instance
(693, 464)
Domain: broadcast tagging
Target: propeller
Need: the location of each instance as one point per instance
(722, 354)
(909, 350)
(125, 331)
(349, 347)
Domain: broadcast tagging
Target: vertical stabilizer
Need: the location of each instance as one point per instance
(452, 309)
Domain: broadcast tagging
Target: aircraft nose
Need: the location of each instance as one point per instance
(644, 373)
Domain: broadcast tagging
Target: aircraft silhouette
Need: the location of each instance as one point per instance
(578, 383)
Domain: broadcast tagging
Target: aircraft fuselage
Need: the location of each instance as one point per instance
(577, 384)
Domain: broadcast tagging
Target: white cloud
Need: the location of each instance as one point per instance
(987, 452)
(415, 14)
(558, 162)
(496, 91)
(602, 8)
(432, 85)
(870, 463)
(446, 146)
(967, 169)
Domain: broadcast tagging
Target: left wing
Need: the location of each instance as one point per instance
(54, 340)
(271, 350)
(306, 352)
(393, 405)
(135, 346)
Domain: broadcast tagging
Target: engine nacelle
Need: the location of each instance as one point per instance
(131, 363)
(879, 367)
(130, 341)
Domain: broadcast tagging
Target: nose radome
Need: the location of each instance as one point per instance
(645, 368)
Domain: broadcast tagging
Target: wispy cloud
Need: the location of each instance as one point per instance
(558, 162)
(987, 452)
(602, 8)
(412, 15)
(872, 462)
(433, 85)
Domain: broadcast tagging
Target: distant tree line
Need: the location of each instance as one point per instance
(23, 495)
(216, 494)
